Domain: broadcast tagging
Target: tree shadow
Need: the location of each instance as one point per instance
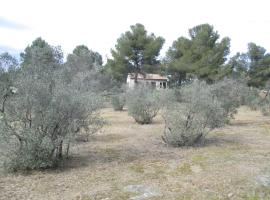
(87, 155)
(244, 123)
(219, 141)
(103, 157)
(117, 155)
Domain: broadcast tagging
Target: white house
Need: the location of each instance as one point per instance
(155, 80)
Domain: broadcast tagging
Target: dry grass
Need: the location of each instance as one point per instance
(234, 163)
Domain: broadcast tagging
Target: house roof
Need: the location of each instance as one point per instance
(148, 77)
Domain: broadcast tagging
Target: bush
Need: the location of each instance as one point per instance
(143, 104)
(166, 97)
(193, 116)
(118, 101)
(252, 99)
(41, 121)
(230, 94)
(44, 116)
(265, 109)
(258, 100)
(263, 103)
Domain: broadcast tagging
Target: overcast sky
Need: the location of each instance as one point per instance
(98, 23)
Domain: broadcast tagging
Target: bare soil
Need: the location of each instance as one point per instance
(234, 163)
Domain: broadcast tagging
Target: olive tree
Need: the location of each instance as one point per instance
(230, 93)
(118, 96)
(45, 111)
(189, 119)
(252, 98)
(143, 104)
(118, 101)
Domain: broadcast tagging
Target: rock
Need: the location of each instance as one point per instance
(230, 195)
(263, 180)
(143, 192)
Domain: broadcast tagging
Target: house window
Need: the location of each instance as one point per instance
(164, 85)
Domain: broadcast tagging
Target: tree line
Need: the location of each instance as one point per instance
(203, 55)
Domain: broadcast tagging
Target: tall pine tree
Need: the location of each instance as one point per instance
(136, 52)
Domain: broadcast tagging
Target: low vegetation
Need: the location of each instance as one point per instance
(143, 104)
(252, 98)
(187, 122)
(264, 105)
(229, 93)
(118, 101)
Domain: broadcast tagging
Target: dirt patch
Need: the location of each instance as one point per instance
(231, 164)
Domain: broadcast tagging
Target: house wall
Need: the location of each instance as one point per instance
(131, 82)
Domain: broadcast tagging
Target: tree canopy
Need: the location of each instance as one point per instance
(259, 66)
(82, 57)
(136, 51)
(253, 64)
(202, 55)
(41, 53)
(7, 61)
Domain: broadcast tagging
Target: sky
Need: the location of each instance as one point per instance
(99, 23)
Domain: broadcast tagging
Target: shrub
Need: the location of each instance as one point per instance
(229, 92)
(263, 103)
(258, 100)
(252, 99)
(118, 101)
(265, 108)
(166, 97)
(40, 123)
(41, 120)
(143, 104)
(189, 120)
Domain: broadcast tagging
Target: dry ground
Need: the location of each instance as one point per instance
(233, 164)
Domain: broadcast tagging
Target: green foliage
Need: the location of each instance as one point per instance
(45, 111)
(7, 61)
(254, 65)
(201, 56)
(135, 51)
(34, 154)
(83, 57)
(257, 100)
(239, 65)
(166, 97)
(143, 104)
(196, 112)
(252, 98)
(265, 107)
(229, 93)
(41, 53)
(262, 102)
(118, 101)
(258, 66)
(8, 66)
(84, 60)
